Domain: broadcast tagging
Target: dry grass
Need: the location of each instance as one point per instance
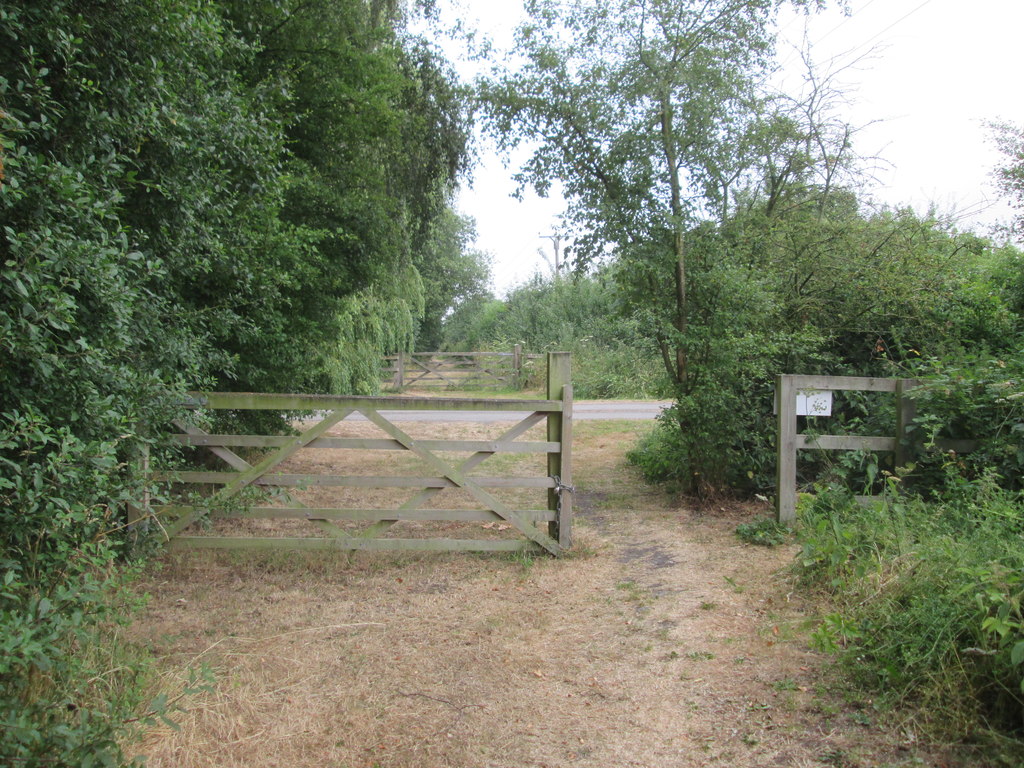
(663, 641)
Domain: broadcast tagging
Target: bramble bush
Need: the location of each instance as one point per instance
(927, 584)
(926, 599)
(979, 398)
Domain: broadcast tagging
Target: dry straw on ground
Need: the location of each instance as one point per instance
(662, 641)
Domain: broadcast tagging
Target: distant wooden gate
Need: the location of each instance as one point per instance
(546, 529)
(458, 370)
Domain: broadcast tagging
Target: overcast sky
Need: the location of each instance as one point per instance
(935, 71)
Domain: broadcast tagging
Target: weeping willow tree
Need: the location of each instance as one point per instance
(376, 131)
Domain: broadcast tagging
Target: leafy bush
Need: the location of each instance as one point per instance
(719, 435)
(66, 690)
(763, 533)
(169, 223)
(582, 315)
(928, 583)
(979, 399)
(927, 598)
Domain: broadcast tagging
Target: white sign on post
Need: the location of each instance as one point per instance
(813, 402)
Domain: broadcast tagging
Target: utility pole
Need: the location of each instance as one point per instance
(556, 241)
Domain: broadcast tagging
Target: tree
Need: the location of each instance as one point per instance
(738, 234)
(654, 117)
(453, 273)
(134, 166)
(641, 109)
(182, 206)
(638, 106)
(377, 133)
(1009, 139)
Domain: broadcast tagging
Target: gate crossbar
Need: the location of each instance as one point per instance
(552, 536)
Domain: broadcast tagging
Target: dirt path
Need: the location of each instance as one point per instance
(664, 641)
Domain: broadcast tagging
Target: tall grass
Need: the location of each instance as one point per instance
(927, 600)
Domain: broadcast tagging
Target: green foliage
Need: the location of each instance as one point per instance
(372, 321)
(927, 599)
(376, 133)
(471, 326)
(636, 107)
(978, 398)
(453, 274)
(1007, 282)
(740, 244)
(95, 331)
(1009, 139)
(66, 686)
(581, 314)
(891, 296)
(763, 533)
(188, 199)
(882, 287)
(927, 583)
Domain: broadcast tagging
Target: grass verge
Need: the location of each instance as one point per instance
(926, 606)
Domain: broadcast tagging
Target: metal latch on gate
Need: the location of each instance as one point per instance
(559, 487)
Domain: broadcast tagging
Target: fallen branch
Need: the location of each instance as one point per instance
(457, 707)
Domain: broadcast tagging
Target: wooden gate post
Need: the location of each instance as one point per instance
(137, 514)
(400, 370)
(517, 366)
(785, 446)
(560, 464)
(906, 410)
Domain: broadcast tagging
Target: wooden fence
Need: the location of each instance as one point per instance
(545, 529)
(789, 441)
(458, 370)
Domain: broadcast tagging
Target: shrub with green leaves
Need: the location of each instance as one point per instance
(926, 599)
(763, 533)
(169, 222)
(579, 314)
(66, 690)
(978, 398)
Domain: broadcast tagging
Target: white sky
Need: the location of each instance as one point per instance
(940, 69)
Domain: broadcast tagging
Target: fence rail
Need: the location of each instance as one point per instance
(789, 441)
(458, 370)
(546, 528)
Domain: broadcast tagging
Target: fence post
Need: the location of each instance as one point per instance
(560, 430)
(785, 459)
(517, 366)
(906, 410)
(400, 370)
(137, 515)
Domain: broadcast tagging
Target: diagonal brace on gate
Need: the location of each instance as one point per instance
(465, 482)
(247, 477)
(472, 462)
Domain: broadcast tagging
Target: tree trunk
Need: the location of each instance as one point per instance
(682, 368)
(679, 242)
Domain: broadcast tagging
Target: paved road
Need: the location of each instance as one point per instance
(582, 410)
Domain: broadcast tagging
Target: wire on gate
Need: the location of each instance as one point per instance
(560, 488)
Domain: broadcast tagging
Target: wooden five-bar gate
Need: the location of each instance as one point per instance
(547, 527)
(456, 370)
